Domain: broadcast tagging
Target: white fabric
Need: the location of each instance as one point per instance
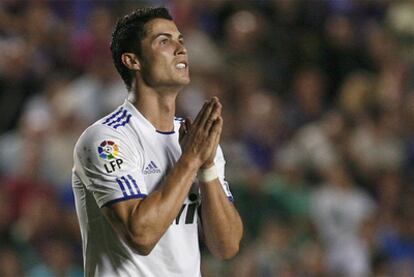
(104, 174)
(338, 215)
(207, 175)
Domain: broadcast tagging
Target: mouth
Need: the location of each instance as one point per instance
(181, 65)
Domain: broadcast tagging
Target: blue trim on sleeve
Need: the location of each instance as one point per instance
(128, 185)
(134, 182)
(122, 187)
(109, 203)
(230, 198)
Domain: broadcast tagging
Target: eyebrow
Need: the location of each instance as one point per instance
(180, 36)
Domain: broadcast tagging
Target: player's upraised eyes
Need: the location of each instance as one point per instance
(167, 40)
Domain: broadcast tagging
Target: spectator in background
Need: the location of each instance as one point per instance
(96, 91)
(289, 193)
(307, 99)
(17, 83)
(339, 210)
(375, 144)
(262, 129)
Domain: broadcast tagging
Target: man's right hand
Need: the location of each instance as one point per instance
(201, 138)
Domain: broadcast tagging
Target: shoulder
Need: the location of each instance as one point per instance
(117, 119)
(100, 145)
(110, 125)
(106, 132)
(95, 136)
(95, 132)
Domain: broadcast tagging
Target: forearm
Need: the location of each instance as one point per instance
(153, 215)
(222, 225)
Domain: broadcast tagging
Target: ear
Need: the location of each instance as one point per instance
(130, 60)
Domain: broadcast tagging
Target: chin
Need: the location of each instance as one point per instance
(187, 81)
(184, 81)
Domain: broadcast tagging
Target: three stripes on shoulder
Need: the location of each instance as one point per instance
(118, 118)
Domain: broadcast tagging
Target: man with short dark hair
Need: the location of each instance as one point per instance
(139, 185)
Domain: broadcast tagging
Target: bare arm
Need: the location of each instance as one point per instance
(222, 225)
(143, 222)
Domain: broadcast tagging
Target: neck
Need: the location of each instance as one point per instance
(157, 106)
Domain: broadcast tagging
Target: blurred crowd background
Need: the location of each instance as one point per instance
(318, 100)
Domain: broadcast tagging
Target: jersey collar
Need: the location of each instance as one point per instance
(134, 111)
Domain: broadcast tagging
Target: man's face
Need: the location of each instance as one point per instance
(164, 61)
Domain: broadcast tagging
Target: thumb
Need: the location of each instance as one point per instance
(182, 131)
(188, 123)
(184, 128)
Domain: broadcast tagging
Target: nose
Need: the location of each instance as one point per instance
(180, 49)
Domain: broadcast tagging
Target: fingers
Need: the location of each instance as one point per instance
(201, 138)
(182, 131)
(216, 109)
(208, 114)
(201, 113)
(216, 129)
(215, 113)
(214, 139)
(215, 132)
(188, 123)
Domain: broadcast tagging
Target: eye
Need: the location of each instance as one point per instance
(164, 41)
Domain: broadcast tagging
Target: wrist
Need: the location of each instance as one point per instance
(209, 174)
(190, 162)
(207, 165)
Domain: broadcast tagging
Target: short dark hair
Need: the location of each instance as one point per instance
(128, 34)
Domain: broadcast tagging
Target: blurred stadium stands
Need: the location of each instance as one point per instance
(318, 101)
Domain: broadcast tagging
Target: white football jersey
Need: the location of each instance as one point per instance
(120, 157)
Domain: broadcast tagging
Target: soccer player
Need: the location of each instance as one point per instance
(145, 182)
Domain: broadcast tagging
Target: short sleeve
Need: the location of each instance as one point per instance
(220, 165)
(109, 167)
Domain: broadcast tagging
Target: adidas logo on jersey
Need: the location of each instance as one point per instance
(151, 169)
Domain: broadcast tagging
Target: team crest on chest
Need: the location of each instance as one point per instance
(108, 150)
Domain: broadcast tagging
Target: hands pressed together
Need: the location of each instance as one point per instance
(199, 139)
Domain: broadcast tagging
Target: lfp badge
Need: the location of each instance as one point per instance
(108, 150)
